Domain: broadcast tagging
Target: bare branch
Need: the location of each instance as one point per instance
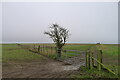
(58, 34)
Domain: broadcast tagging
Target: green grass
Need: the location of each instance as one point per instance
(80, 47)
(110, 60)
(12, 52)
(111, 50)
(94, 73)
(110, 57)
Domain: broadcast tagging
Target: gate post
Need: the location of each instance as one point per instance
(88, 59)
(99, 58)
(38, 48)
(91, 60)
(92, 54)
(51, 50)
(58, 53)
(41, 49)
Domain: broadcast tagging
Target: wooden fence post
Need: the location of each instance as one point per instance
(99, 59)
(92, 59)
(91, 63)
(43, 49)
(47, 50)
(88, 59)
(34, 47)
(38, 49)
(51, 50)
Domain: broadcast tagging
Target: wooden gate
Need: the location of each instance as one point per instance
(94, 59)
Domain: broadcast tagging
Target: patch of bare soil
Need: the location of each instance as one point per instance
(46, 68)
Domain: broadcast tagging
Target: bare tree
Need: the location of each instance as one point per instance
(59, 35)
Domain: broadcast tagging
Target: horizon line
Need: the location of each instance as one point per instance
(53, 42)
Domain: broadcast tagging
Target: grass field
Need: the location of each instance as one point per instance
(110, 51)
(12, 52)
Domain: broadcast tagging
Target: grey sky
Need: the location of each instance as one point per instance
(88, 22)
(0, 22)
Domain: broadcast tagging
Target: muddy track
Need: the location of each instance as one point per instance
(46, 68)
(39, 69)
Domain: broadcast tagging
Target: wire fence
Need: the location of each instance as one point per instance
(51, 51)
(93, 57)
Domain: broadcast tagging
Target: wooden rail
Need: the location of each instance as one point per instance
(103, 66)
(90, 55)
(90, 59)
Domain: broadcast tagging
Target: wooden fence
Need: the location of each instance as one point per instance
(47, 51)
(51, 51)
(93, 55)
(94, 59)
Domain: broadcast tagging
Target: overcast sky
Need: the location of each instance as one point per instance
(88, 22)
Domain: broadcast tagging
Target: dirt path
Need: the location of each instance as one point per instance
(46, 68)
(40, 69)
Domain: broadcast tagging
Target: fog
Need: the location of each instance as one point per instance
(88, 22)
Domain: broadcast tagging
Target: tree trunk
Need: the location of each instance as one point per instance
(58, 52)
